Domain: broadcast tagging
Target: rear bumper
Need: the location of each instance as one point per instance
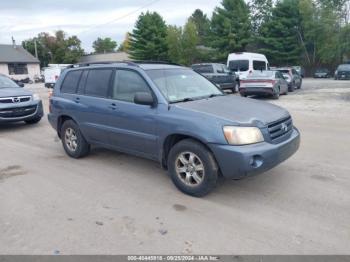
(256, 91)
(12, 112)
(224, 86)
(237, 162)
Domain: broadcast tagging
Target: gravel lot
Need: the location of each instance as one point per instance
(111, 203)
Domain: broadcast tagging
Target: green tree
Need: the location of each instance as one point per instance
(279, 35)
(148, 39)
(230, 27)
(202, 23)
(174, 41)
(190, 42)
(261, 11)
(125, 46)
(58, 49)
(104, 45)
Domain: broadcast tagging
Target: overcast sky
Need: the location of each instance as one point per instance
(89, 19)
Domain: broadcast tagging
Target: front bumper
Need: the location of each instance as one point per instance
(237, 162)
(21, 112)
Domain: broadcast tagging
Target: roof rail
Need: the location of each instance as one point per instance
(155, 62)
(102, 63)
(130, 63)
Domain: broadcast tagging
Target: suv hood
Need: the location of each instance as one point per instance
(241, 111)
(6, 92)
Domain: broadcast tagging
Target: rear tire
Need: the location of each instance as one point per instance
(73, 141)
(292, 87)
(192, 168)
(276, 95)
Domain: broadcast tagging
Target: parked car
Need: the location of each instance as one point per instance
(244, 63)
(270, 83)
(300, 70)
(219, 74)
(342, 72)
(18, 104)
(173, 115)
(322, 73)
(292, 77)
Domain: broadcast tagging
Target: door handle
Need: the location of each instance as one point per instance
(77, 100)
(113, 106)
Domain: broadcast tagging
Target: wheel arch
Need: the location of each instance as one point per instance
(172, 140)
(60, 120)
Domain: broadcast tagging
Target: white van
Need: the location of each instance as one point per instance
(245, 63)
(52, 73)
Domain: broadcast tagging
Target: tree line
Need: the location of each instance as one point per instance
(311, 33)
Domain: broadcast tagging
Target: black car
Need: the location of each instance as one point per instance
(219, 74)
(322, 73)
(18, 104)
(342, 72)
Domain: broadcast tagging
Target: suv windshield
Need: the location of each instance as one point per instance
(239, 65)
(183, 85)
(344, 67)
(7, 83)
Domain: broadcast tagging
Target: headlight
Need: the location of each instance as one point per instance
(36, 97)
(237, 135)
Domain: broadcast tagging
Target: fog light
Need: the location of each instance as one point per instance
(256, 161)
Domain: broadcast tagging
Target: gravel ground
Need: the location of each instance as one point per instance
(112, 203)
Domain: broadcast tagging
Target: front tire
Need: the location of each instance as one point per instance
(73, 141)
(192, 168)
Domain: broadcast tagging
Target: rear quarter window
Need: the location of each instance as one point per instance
(71, 81)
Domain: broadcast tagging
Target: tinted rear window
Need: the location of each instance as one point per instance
(259, 65)
(239, 65)
(203, 69)
(97, 82)
(71, 81)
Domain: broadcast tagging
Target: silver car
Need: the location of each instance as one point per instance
(271, 83)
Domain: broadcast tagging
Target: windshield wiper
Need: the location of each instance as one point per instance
(187, 99)
(214, 95)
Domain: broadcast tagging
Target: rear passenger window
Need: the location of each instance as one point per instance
(259, 65)
(70, 82)
(127, 84)
(97, 82)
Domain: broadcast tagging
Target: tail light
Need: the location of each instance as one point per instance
(50, 101)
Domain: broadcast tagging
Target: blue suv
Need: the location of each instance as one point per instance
(173, 115)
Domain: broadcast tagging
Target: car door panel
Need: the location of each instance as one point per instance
(133, 125)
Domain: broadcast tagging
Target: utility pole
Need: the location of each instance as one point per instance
(36, 49)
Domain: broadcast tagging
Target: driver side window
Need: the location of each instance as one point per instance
(126, 84)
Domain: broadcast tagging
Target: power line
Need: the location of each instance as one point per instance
(120, 18)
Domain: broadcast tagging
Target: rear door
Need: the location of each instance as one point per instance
(133, 126)
(93, 99)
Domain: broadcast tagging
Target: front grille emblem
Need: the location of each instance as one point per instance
(284, 127)
(15, 100)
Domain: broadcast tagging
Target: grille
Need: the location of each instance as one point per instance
(17, 112)
(280, 128)
(14, 99)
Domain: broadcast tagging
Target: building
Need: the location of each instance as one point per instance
(106, 57)
(18, 63)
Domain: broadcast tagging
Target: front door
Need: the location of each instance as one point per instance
(133, 126)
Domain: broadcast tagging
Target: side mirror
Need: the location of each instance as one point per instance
(20, 84)
(143, 98)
